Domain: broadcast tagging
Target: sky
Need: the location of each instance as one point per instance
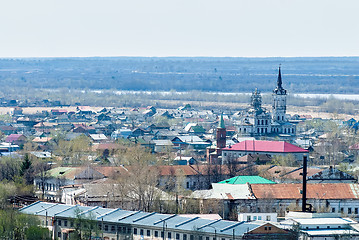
(218, 28)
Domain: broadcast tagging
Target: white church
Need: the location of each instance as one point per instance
(257, 121)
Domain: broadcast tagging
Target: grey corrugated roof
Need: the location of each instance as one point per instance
(142, 219)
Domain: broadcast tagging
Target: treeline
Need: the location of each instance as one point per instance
(16, 180)
(315, 75)
(172, 99)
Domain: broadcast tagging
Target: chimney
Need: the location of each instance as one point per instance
(304, 190)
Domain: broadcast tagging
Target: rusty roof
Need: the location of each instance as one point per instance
(314, 191)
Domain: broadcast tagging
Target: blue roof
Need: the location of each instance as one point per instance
(139, 218)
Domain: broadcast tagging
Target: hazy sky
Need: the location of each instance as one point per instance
(31, 28)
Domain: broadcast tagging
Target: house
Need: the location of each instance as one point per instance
(272, 148)
(108, 193)
(163, 146)
(17, 139)
(8, 130)
(331, 175)
(179, 160)
(8, 147)
(192, 177)
(48, 184)
(192, 141)
(83, 128)
(194, 128)
(98, 138)
(58, 112)
(259, 159)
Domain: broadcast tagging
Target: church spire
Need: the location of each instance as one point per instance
(221, 122)
(279, 89)
(279, 81)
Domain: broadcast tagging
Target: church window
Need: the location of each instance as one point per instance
(278, 118)
(266, 122)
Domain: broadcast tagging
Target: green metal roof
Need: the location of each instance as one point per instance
(247, 179)
(198, 129)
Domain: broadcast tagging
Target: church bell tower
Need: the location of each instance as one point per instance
(279, 107)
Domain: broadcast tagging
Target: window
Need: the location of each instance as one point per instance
(71, 224)
(200, 238)
(259, 217)
(356, 210)
(333, 209)
(162, 234)
(187, 184)
(207, 238)
(184, 236)
(128, 230)
(106, 227)
(268, 218)
(65, 223)
(135, 231)
(191, 237)
(169, 235)
(265, 228)
(254, 218)
(248, 218)
(341, 210)
(141, 231)
(156, 233)
(349, 210)
(177, 236)
(328, 226)
(269, 228)
(148, 233)
(113, 229)
(59, 223)
(317, 227)
(59, 234)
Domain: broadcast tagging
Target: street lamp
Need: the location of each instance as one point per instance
(215, 232)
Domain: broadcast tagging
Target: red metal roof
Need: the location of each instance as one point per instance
(266, 146)
(314, 191)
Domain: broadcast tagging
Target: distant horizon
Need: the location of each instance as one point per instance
(142, 56)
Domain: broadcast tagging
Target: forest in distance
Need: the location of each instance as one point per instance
(326, 75)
